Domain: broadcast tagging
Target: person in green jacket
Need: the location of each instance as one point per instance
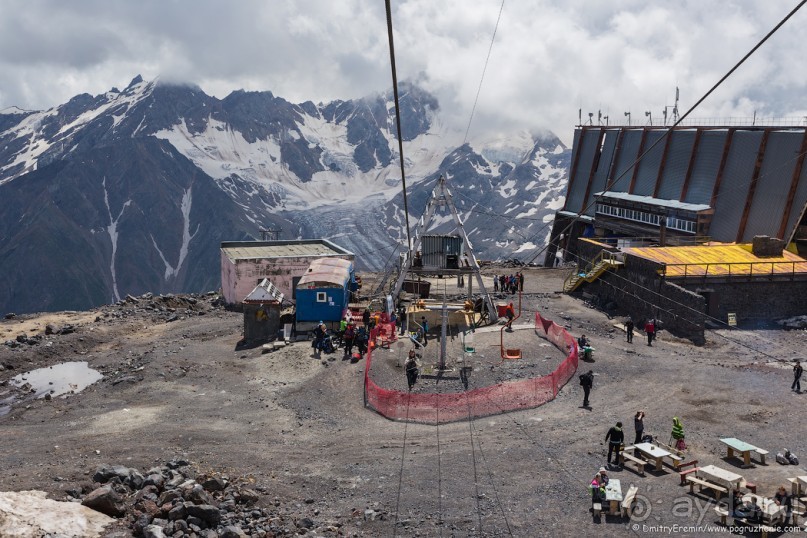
(678, 434)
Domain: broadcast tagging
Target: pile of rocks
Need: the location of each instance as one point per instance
(166, 501)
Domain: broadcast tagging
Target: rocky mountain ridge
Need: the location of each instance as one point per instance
(132, 191)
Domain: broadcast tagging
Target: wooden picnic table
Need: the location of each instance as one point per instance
(744, 448)
(770, 510)
(799, 485)
(721, 476)
(613, 494)
(652, 452)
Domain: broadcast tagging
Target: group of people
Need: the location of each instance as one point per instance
(616, 436)
(508, 284)
(650, 328)
(348, 335)
(750, 511)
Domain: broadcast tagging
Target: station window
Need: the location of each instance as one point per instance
(322, 297)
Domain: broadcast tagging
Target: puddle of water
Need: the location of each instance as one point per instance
(58, 379)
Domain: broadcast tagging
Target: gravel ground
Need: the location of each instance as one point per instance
(297, 429)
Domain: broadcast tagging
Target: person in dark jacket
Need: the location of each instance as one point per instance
(402, 320)
(365, 318)
(638, 424)
(425, 326)
(797, 371)
(615, 436)
(587, 381)
(348, 338)
(411, 368)
(629, 329)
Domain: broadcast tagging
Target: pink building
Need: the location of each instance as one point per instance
(244, 264)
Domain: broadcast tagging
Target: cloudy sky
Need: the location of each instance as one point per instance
(549, 59)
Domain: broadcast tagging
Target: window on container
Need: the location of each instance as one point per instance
(322, 297)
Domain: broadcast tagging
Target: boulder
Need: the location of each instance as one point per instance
(153, 531)
(105, 500)
(206, 512)
(214, 483)
(105, 473)
(231, 531)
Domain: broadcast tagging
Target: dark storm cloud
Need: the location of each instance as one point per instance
(550, 57)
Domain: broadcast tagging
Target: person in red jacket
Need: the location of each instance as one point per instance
(650, 330)
(510, 312)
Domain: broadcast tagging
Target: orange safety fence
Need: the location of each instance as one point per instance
(499, 398)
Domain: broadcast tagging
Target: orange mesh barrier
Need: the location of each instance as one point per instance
(482, 402)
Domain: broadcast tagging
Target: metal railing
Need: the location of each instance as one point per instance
(734, 269)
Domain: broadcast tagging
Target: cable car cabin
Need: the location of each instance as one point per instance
(440, 252)
(323, 292)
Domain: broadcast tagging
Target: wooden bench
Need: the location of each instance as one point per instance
(627, 502)
(683, 474)
(723, 513)
(676, 460)
(762, 453)
(597, 509)
(670, 449)
(704, 484)
(755, 525)
(640, 463)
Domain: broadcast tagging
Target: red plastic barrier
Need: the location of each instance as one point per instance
(500, 398)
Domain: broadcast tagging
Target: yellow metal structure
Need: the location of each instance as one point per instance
(602, 263)
(719, 260)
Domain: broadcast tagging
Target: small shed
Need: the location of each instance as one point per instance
(323, 292)
(262, 312)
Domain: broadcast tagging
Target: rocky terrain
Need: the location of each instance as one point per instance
(280, 444)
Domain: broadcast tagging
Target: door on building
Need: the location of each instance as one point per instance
(294, 281)
(712, 302)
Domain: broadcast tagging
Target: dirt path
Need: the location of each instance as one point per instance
(298, 428)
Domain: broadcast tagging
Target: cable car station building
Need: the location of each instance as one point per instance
(712, 219)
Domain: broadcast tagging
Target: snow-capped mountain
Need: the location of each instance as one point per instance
(132, 191)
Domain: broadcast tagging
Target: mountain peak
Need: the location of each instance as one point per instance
(135, 81)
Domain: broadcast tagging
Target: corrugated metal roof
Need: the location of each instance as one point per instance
(250, 250)
(327, 270)
(672, 204)
(719, 260)
(264, 292)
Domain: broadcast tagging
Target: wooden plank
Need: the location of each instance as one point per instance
(691, 165)
(610, 180)
(794, 183)
(722, 168)
(594, 164)
(576, 161)
(749, 200)
(660, 171)
(637, 160)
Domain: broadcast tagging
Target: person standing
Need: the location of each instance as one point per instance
(510, 312)
(402, 320)
(615, 436)
(365, 318)
(425, 326)
(629, 329)
(411, 368)
(638, 424)
(650, 330)
(587, 381)
(347, 338)
(520, 281)
(797, 371)
(678, 434)
(495, 283)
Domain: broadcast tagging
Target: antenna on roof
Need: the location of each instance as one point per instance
(675, 108)
(271, 235)
(628, 115)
